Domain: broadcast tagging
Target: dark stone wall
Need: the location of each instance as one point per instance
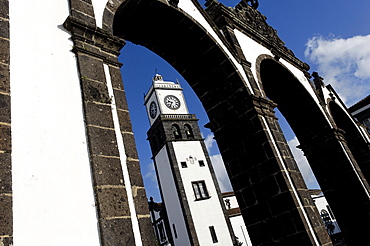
(6, 194)
(272, 210)
(354, 138)
(330, 155)
(260, 167)
(94, 48)
(336, 157)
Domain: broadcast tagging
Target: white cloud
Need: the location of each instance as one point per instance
(150, 172)
(150, 182)
(221, 174)
(209, 140)
(217, 163)
(344, 63)
(303, 165)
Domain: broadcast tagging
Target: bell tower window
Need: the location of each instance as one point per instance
(188, 132)
(176, 131)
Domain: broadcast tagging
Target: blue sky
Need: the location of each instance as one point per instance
(332, 36)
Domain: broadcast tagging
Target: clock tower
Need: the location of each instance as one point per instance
(187, 182)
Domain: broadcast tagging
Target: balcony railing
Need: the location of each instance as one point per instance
(178, 116)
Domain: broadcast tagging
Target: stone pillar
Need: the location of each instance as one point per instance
(122, 207)
(272, 196)
(6, 194)
(342, 182)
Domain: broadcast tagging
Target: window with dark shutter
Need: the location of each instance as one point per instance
(200, 190)
(183, 164)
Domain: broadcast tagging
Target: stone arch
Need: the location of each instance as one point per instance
(299, 108)
(353, 137)
(259, 59)
(181, 41)
(324, 145)
(108, 14)
(251, 142)
(237, 118)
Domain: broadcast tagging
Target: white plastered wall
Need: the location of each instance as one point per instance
(171, 198)
(240, 230)
(206, 212)
(237, 222)
(52, 187)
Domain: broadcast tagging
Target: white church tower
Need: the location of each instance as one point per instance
(187, 182)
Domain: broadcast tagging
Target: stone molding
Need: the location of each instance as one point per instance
(6, 191)
(94, 41)
(252, 23)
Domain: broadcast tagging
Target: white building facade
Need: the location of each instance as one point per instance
(236, 219)
(186, 178)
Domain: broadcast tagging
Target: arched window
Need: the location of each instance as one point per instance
(188, 131)
(176, 131)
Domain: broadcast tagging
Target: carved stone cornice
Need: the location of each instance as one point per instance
(254, 19)
(251, 22)
(263, 106)
(94, 41)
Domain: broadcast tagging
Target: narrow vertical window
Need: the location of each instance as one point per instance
(174, 230)
(196, 191)
(213, 234)
(202, 189)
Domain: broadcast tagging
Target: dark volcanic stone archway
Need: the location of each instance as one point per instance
(358, 147)
(182, 42)
(338, 173)
(237, 118)
(272, 196)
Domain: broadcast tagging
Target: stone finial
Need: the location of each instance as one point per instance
(253, 3)
(318, 81)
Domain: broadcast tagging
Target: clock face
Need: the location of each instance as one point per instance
(153, 109)
(172, 102)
